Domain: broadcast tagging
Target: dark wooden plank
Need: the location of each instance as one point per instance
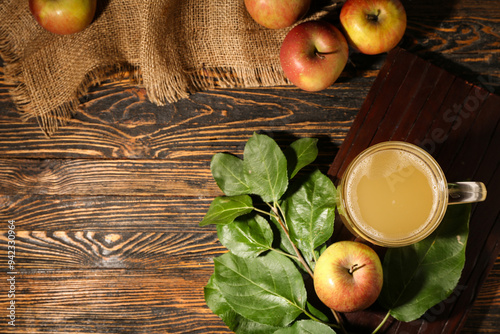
(464, 137)
(87, 250)
(433, 104)
(484, 316)
(34, 212)
(486, 236)
(459, 36)
(480, 135)
(107, 177)
(112, 301)
(444, 122)
(401, 106)
(197, 127)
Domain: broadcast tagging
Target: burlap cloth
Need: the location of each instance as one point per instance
(171, 47)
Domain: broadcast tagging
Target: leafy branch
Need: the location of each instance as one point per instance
(258, 286)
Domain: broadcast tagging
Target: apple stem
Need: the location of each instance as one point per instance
(355, 267)
(373, 17)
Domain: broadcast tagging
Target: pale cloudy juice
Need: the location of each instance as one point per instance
(393, 194)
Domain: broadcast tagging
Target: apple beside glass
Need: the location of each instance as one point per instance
(63, 17)
(348, 276)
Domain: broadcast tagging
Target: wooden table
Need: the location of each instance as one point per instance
(106, 211)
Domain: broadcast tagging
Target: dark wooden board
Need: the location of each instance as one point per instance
(113, 301)
(459, 124)
(72, 213)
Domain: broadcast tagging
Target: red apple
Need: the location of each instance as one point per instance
(63, 17)
(313, 55)
(276, 14)
(373, 26)
(348, 276)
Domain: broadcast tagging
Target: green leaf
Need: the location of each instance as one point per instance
(317, 313)
(268, 289)
(216, 302)
(265, 168)
(246, 236)
(227, 171)
(301, 153)
(306, 327)
(237, 323)
(421, 275)
(309, 208)
(246, 326)
(223, 210)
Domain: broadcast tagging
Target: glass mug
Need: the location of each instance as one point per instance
(394, 194)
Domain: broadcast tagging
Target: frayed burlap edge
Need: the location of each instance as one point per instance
(161, 94)
(51, 120)
(189, 82)
(180, 87)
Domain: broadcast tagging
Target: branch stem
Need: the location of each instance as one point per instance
(278, 213)
(339, 321)
(321, 321)
(287, 233)
(382, 322)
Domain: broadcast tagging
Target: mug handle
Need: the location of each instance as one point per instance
(466, 192)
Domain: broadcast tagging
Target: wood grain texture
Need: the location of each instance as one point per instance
(113, 301)
(88, 250)
(196, 127)
(107, 210)
(108, 177)
(483, 318)
(34, 212)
